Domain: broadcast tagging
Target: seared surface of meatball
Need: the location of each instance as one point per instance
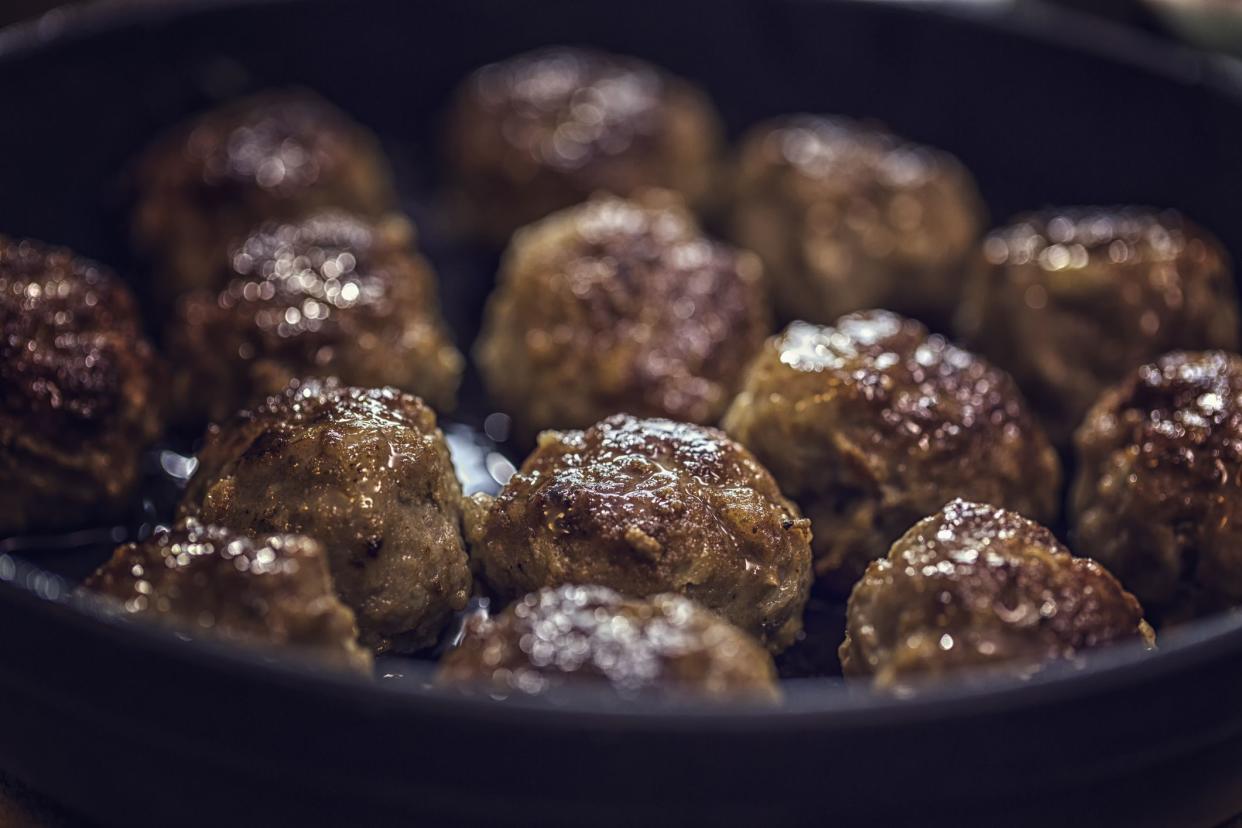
(78, 390)
(267, 590)
(974, 586)
(645, 507)
(1070, 301)
(665, 645)
(1158, 496)
(873, 424)
(367, 473)
(277, 156)
(847, 216)
(620, 306)
(332, 295)
(544, 130)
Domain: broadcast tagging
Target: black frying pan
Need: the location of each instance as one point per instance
(134, 726)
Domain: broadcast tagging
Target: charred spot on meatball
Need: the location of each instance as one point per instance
(646, 507)
(1158, 497)
(620, 306)
(873, 423)
(277, 156)
(665, 645)
(544, 130)
(1070, 301)
(847, 216)
(367, 473)
(78, 390)
(331, 295)
(975, 587)
(273, 590)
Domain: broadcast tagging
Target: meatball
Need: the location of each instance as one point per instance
(367, 473)
(620, 306)
(872, 424)
(975, 586)
(665, 645)
(1070, 301)
(332, 295)
(847, 216)
(268, 590)
(272, 157)
(1158, 497)
(541, 131)
(645, 507)
(78, 390)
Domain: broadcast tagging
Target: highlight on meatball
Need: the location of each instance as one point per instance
(620, 306)
(1157, 497)
(847, 216)
(276, 156)
(1069, 301)
(331, 295)
(78, 390)
(646, 507)
(273, 590)
(665, 645)
(367, 473)
(975, 587)
(873, 423)
(541, 131)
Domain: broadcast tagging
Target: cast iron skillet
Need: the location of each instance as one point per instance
(134, 726)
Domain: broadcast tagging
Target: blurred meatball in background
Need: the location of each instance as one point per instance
(541, 131)
(847, 216)
(1069, 301)
(276, 156)
(331, 295)
(80, 390)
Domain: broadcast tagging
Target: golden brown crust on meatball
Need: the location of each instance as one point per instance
(1158, 497)
(1069, 301)
(620, 306)
(872, 424)
(78, 390)
(331, 295)
(276, 156)
(268, 590)
(847, 216)
(665, 645)
(974, 586)
(544, 130)
(651, 506)
(367, 473)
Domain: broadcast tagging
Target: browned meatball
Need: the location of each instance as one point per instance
(78, 390)
(1070, 301)
(367, 473)
(650, 506)
(332, 295)
(665, 645)
(872, 424)
(974, 586)
(544, 130)
(272, 157)
(847, 216)
(268, 590)
(620, 306)
(1158, 497)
